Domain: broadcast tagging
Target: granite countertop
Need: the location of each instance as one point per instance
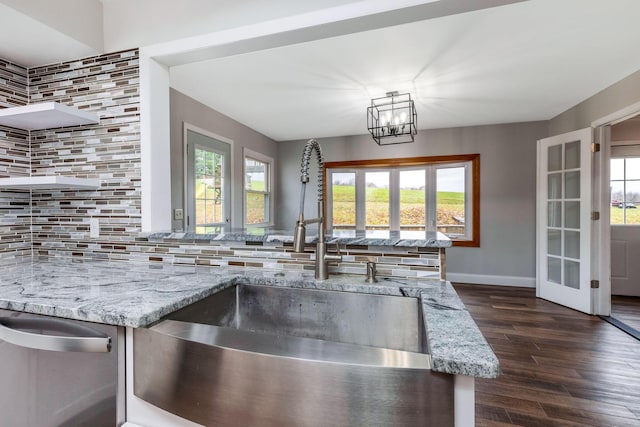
(429, 239)
(138, 294)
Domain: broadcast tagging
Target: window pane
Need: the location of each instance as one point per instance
(554, 186)
(450, 200)
(377, 200)
(554, 244)
(343, 189)
(554, 158)
(625, 195)
(256, 175)
(572, 185)
(617, 198)
(412, 200)
(632, 202)
(617, 169)
(572, 215)
(572, 274)
(554, 214)
(554, 270)
(632, 168)
(572, 155)
(256, 204)
(572, 244)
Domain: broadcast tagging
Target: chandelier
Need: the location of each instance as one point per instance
(392, 119)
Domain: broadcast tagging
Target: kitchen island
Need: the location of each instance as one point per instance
(135, 295)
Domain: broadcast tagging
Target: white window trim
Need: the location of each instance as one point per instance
(254, 155)
(394, 195)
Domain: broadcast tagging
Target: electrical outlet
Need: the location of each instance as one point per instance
(178, 214)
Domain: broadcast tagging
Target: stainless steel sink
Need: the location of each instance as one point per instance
(260, 355)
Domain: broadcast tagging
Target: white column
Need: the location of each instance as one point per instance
(464, 401)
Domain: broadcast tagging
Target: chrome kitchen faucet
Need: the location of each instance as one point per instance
(322, 257)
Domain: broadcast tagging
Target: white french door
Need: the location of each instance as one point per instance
(564, 192)
(207, 182)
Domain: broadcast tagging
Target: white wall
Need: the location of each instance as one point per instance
(619, 95)
(507, 191)
(186, 109)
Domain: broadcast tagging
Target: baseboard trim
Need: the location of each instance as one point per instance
(485, 279)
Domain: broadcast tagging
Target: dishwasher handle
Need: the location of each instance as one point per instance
(69, 336)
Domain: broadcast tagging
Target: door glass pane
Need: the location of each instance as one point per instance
(572, 244)
(617, 202)
(554, 244)
(572, 185)
(555, 214)
(572, 215)
(554, 270)
(343, 200)
(377, 200)
(617, 169)
(412, 200)
(554, 186)
(554, 160)
(632, 204)
(572, 274)
(450, 200)
(632, 168)
(572, 155)
(208, 187)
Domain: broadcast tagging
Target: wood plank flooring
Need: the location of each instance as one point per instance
(559, 367)
(627, 310)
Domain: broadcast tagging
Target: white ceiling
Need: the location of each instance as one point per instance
(521, 62)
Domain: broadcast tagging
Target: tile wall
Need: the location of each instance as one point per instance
(110, 151)
(108, 86)
(15, 218)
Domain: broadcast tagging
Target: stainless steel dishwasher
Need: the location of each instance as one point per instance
(58, 372)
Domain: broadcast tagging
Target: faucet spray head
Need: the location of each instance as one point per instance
(299, 235)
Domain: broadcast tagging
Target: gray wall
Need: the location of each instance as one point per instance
(507, 189)
(186, 109)
(616, 97)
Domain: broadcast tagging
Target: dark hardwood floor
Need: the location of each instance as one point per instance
(627, 310)
(559, 367)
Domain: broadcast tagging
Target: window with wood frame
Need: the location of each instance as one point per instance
(440, 193)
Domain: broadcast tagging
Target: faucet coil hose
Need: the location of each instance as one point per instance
(312, 145)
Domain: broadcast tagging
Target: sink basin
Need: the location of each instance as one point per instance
(367, 320)
(299, 356)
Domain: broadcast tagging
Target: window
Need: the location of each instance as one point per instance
(207, 181)
(257, 189)
(625, 190)
(416, 194)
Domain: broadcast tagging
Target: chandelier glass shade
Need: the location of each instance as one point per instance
(392, 119)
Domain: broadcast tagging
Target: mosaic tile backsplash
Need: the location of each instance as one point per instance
(15, 219)
(57, 223)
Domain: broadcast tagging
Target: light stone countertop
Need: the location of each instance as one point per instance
(420, 239)
(138, 294)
